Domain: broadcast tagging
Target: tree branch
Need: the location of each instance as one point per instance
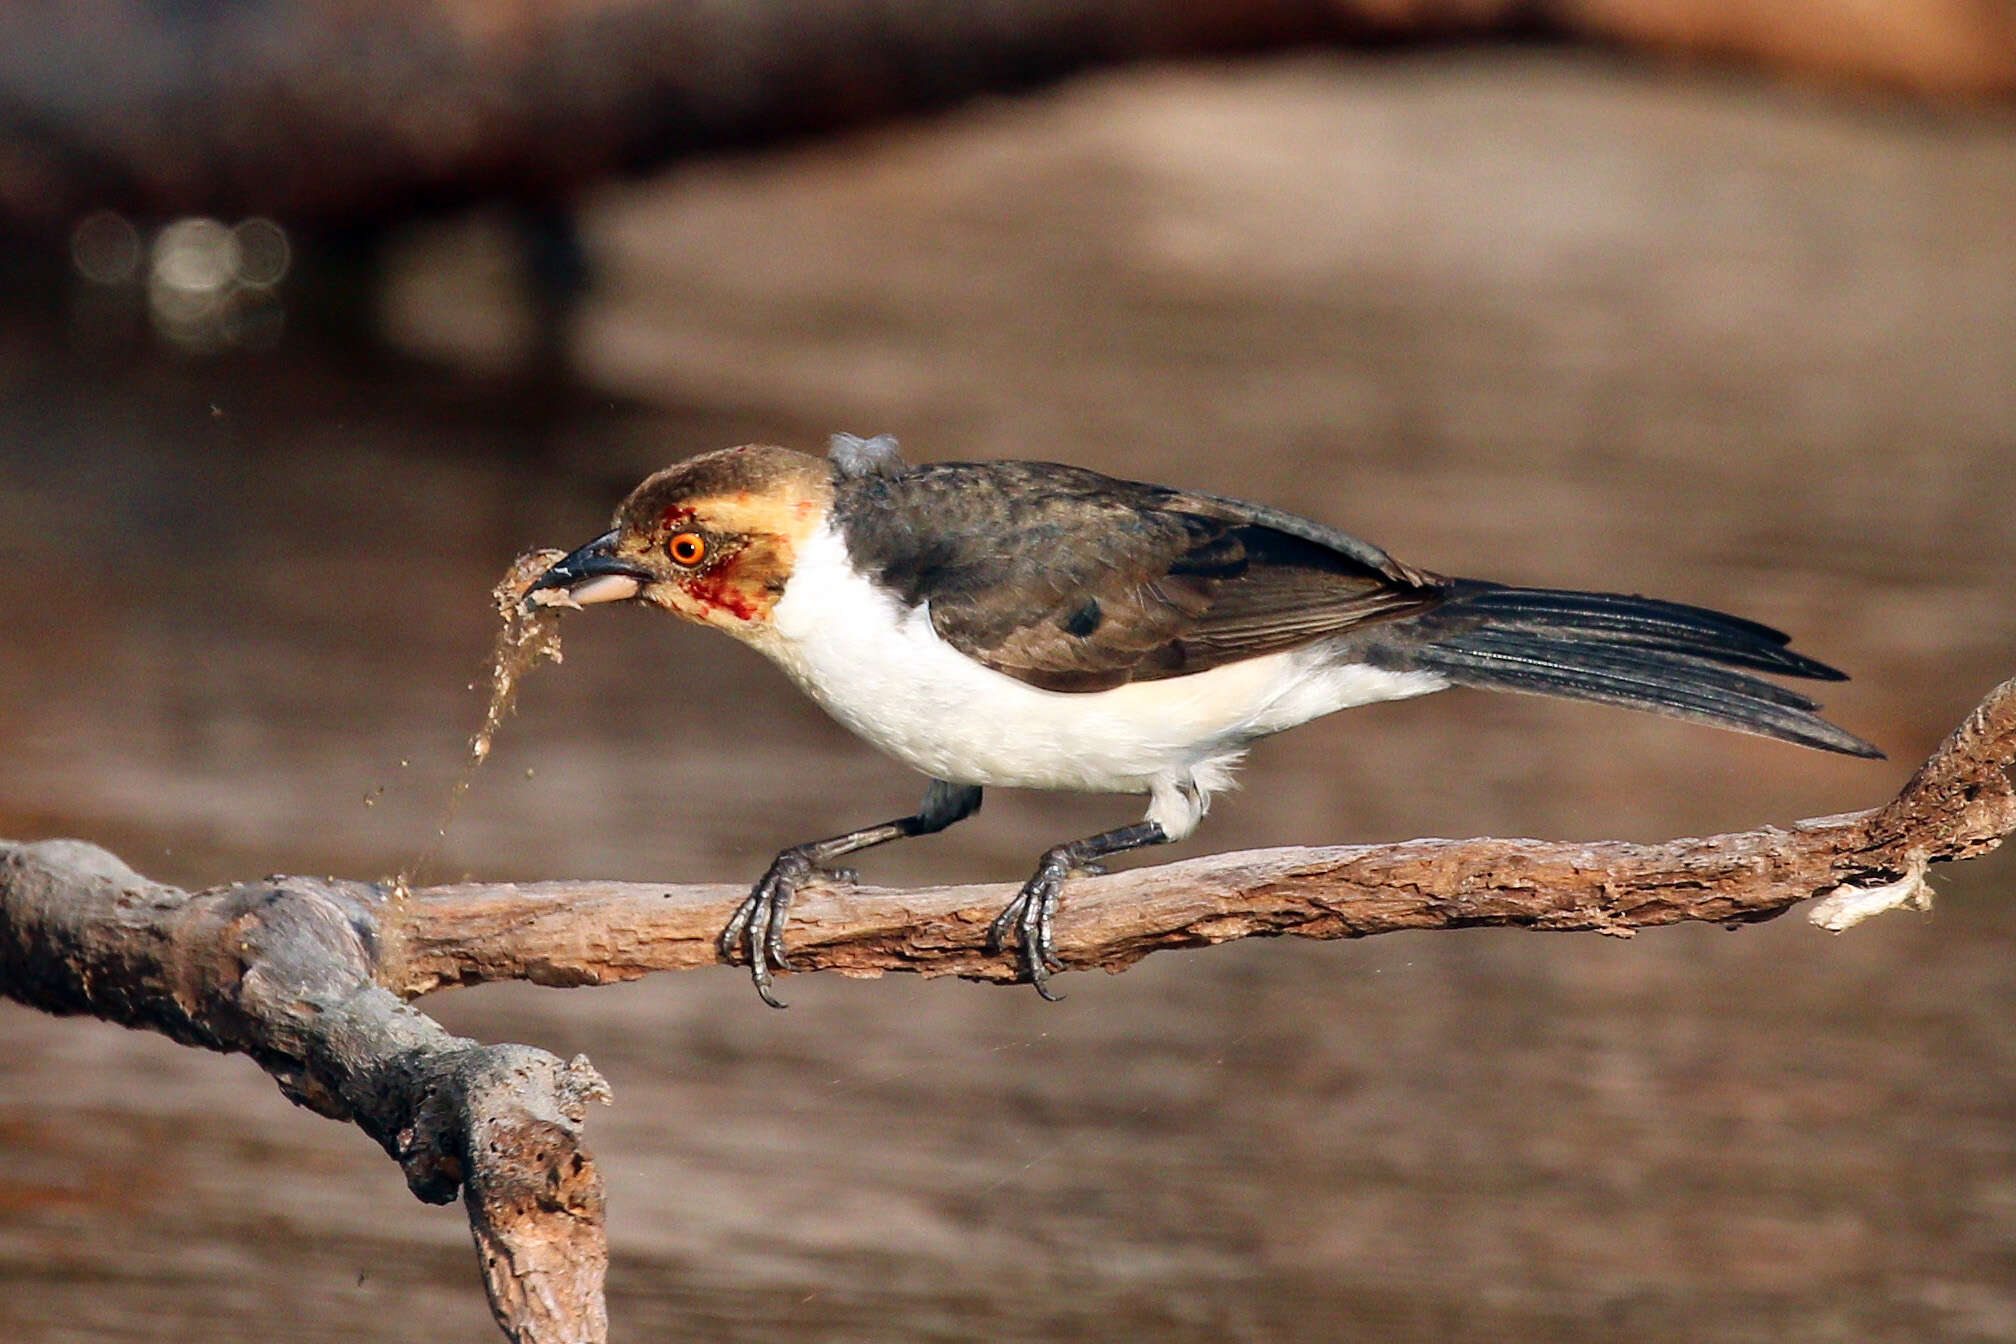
(307, 975)
(1958, 805)
(283, 970)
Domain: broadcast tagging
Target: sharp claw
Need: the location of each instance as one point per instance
(761, 975)
(1042, 949)
(997, 932)
(1036, 942)
(1047, 953)
(756, 929)
(728, 941)
(759, 949)
(1030, 917)
(1033, 913)
(773, 935)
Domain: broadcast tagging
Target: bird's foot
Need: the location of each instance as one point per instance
(840, 877)
(756, 929)
(1031, 918)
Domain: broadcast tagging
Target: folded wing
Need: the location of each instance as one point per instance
(1073, 581)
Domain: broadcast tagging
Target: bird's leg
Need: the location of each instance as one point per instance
(756, 930)
(1034, 909)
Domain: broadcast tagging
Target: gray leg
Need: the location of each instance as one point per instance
(1034, 908)
(757, 928)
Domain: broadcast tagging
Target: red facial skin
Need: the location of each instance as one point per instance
(753, 534)
(713, 590)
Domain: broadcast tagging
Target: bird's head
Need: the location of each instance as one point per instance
(712, 539)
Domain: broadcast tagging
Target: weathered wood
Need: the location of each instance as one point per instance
(1958, 805)
(308, 976)
(284, 970)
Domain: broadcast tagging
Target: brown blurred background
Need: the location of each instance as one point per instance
(1521, 310)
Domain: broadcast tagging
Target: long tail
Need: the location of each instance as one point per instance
(1622, 650)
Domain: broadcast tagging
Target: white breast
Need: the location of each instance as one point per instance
(884, 672)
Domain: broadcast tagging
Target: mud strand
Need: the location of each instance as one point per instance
(526, 637)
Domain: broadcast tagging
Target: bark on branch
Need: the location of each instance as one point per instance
(1958, 805)
(285, 970)
(308, 976)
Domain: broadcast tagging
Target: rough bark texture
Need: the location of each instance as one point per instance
(308, 975)
(353, 110)
(284, 970)
(1958, 805)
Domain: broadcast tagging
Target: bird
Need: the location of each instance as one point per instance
(1028, 624)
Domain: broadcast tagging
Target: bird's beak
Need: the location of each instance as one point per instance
(595, 573)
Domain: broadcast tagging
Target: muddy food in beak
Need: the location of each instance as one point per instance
(594, 573)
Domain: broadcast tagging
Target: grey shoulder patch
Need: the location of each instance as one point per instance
(854, 457)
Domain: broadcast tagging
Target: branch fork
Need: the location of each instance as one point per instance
(311, 977)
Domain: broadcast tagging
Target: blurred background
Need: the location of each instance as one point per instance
(316, 314)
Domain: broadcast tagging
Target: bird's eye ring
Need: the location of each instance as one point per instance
(688, 549)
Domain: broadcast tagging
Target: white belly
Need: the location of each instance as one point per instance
(883, 672)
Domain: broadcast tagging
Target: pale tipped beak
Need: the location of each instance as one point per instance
(595, 573)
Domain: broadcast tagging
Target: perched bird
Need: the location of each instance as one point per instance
(1036, 625)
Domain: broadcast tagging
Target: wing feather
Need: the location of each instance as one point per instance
(1073, 581)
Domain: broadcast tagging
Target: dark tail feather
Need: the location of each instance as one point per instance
(1621, 650)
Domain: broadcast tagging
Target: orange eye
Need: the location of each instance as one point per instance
(688, 548)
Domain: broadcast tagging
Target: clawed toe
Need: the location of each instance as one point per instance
(1029, 920)
(997, 931)
(750, 935)
(755, 931)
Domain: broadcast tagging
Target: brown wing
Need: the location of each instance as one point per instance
(1073, 581)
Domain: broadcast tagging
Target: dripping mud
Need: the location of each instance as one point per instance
(528, 634)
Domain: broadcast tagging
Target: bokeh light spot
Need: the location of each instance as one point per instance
(195, 256)
(263, 252)
(105, 248)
